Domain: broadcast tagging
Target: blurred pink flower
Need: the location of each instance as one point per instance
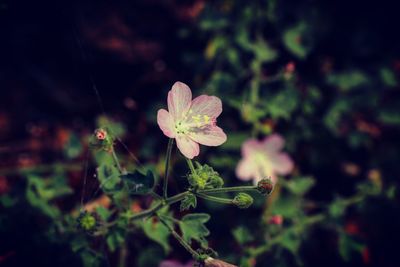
(191, 122)
(262, 159)
(174, 263)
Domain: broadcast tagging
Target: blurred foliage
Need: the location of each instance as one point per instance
(305, 70)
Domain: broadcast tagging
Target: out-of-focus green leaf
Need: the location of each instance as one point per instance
(337, 208)
(349, 80)
(157, 232)
(192, 227)
(335, 113)
(283, 103)
(116, 129)
(263, 52)
(73, 148)
(389, 116)
(291, 241)
(300, 185)
(242, 235)
(41, 191)
(114, 239)
(388, 77)
(295, 40)
(348, 245)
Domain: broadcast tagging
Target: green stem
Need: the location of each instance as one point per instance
(229, 189)
(195, 255)
(215, 199)
(296, 228)
(116, 161)
(167, 159)
(159, 205)
(191, 167)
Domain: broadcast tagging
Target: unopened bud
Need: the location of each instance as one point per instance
(243, 200)
(276, 219)
(265, 186)
(211, 262)
(89, 222)
(101, 134)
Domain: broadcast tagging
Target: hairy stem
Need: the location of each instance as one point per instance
(191, 167)
(167, 160)
(195, 255)
(229, 189)
(159, 205)
(215, 199)
(116, 161)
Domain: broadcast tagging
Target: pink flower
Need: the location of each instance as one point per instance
(191, 122)
(262, 159)
(174, 263)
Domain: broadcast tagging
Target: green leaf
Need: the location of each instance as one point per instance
(139, 183)
(108, 176)
(115, 239)
(390, 116)
(242, 235)
(348, 245)
(348, 80)
(40, 192)
(283, 103)
(192, 227)
(300, 185)
(73, 148)
(291, 241)
(337, 208)
(388, 77)
(157, 232)
(263, 51)
(295, 40)
(189, 201)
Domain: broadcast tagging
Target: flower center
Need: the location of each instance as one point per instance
(194, 123)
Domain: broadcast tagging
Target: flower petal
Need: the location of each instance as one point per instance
(166, 123)
(274, 143)
(282, 163)
(250, 146)
(179, 100)
(206, 105)
(187, 146)
(245, 169)
(212, 136)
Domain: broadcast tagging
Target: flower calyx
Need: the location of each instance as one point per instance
(205, 177)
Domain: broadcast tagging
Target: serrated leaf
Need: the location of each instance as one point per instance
(157, 232)
(138, 183)
(189, 201)
(193, 228)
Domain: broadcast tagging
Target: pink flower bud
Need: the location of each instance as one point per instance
(276, 219)
(101, 134)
